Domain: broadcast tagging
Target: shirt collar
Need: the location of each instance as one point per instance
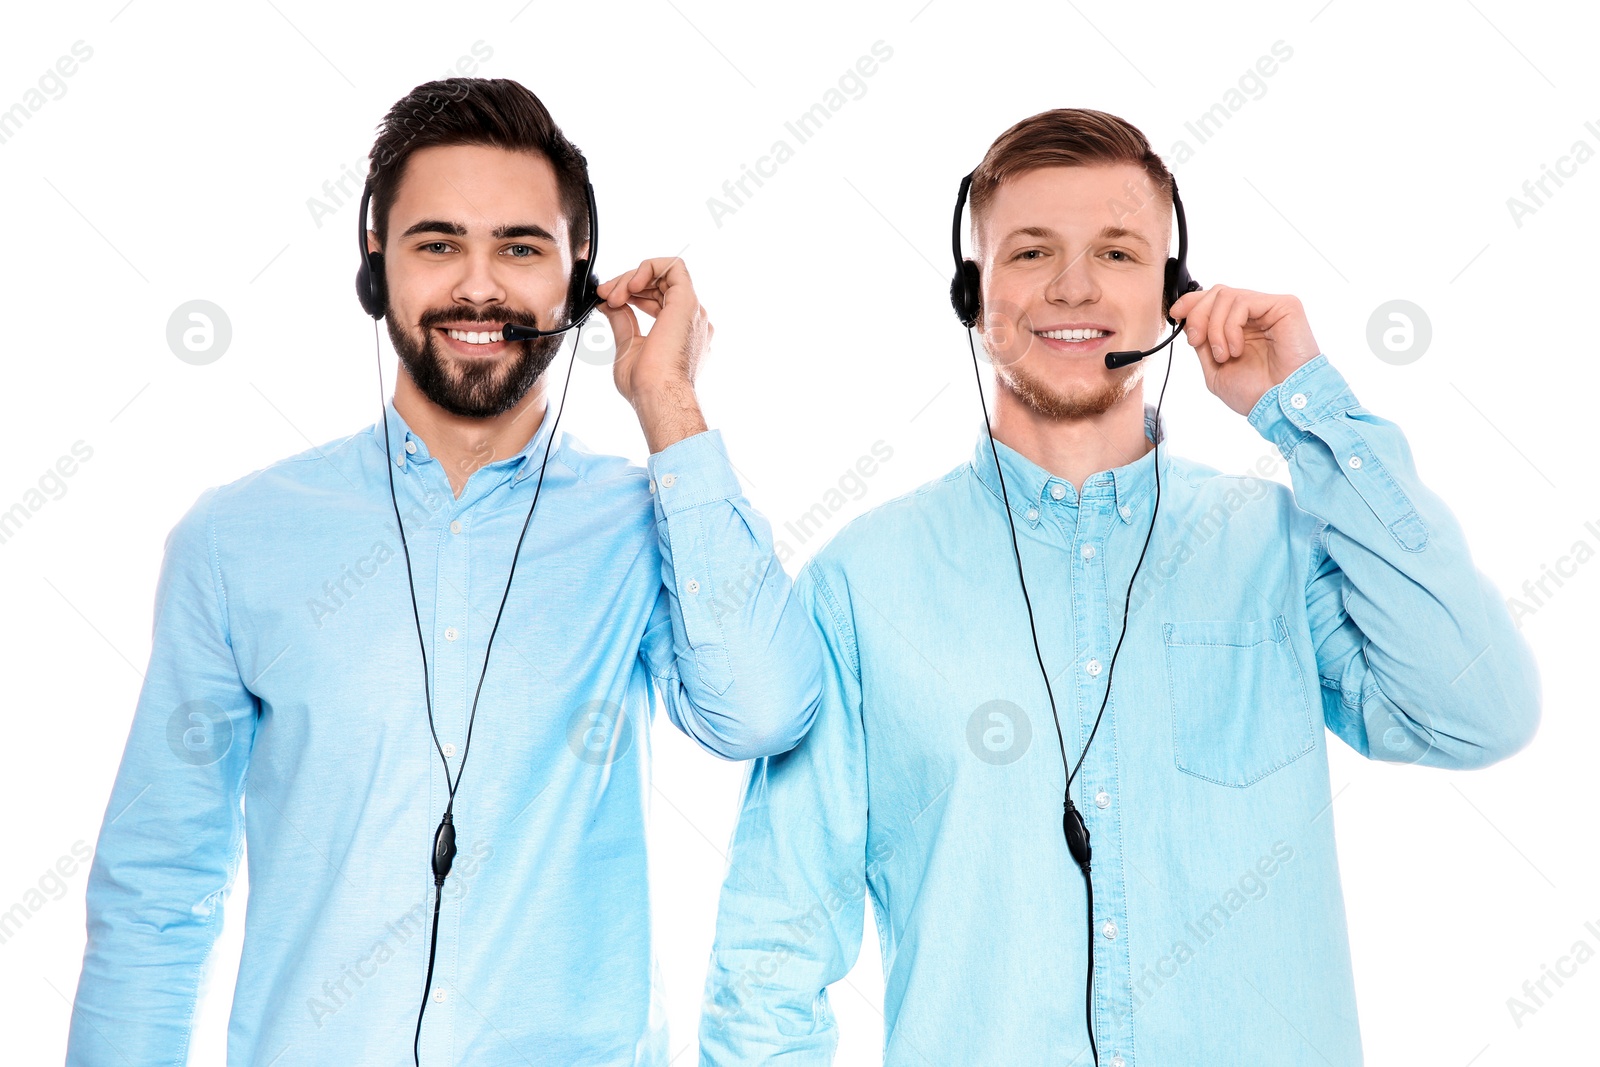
(1030, 488)
(407, 449)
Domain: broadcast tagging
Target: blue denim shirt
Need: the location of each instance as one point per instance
(284, 708)
(932, 780)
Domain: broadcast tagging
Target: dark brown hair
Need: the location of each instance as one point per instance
(1064, 137)
(497, 112)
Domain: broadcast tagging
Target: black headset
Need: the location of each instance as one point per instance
(372, 288)
(373, 291)
(966, 299)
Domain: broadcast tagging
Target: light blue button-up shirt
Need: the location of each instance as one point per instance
(932, 779)
(284, 707)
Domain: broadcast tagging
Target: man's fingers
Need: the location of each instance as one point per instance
(1217, 323)
(642, 277)
(614, 293)
(649, 303)
(1197, 319)
(1240, 315)
(669, 271)
(624, 327)
(662, 273)
(1181, 307)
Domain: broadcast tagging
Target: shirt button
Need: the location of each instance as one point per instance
(455, 526)
(1110, 930)
(1298, 400)
(449, 749)
(411, 447)
(1117, 1061)
(1102, 799)
(1355, 463)
(438, 996)
(1033, 514)
(668, 481)
(399, 461)
(1093, 667)
(692, 585)
(1057, 491)
(1088, 552)
(450, 633)
(652, 485)
(1126, 511)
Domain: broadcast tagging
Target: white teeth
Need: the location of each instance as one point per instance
(474, 338)
(1072, 335)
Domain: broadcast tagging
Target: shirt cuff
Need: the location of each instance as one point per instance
(1314, 392)
(692, 472)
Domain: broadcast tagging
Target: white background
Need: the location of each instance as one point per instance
(1376, 165)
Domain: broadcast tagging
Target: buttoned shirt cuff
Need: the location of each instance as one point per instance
(692, 472)
(1313, 392)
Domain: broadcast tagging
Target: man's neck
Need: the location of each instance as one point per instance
(1073, 449)
(462, 445)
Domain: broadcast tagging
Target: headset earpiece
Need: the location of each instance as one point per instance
(1178, 280)
(582, 289)
(372, 288)
(965, 293)
(1175, 283)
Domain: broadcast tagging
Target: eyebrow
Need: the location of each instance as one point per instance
(1108, 233)
(455, 229)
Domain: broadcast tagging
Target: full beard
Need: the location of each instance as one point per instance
(475, 390)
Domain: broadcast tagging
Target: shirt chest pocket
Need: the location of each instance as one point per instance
(1239, 704)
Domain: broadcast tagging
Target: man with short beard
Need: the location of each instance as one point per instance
(934, 777)
(288, 703)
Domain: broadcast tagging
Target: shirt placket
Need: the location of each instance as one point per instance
(454, 671)
(1096, 790)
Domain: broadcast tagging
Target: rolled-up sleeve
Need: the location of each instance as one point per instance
(738, 662)
(1418, 657)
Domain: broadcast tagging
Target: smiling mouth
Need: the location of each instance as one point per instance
(473, 342)
(1085, 340)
